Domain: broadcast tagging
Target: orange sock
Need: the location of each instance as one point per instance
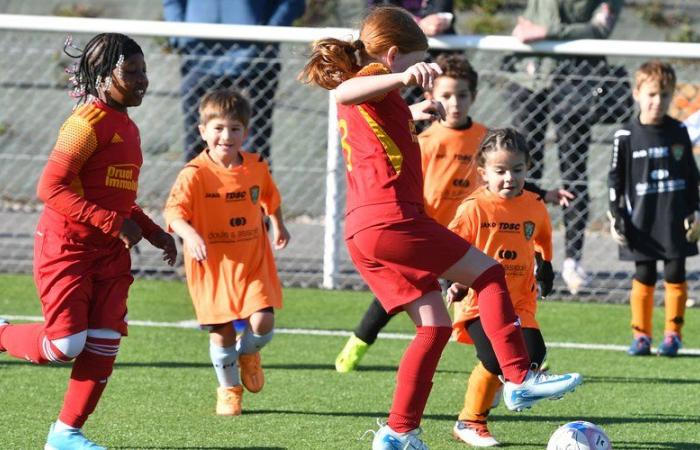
(642, 304)
(675, 297)
(481, 390)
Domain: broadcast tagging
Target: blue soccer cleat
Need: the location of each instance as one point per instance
(538, 386)
(641, 346)
(69, 440)
(387, 439)
(670, 345)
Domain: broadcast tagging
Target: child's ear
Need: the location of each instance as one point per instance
(390, 56)
(428, 95)
(482, 173)
(201, 128)
(635, 94)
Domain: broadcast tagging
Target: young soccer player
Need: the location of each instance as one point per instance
(399, 251)
(512, 226)
(82, 267)
(447, 151)
(215, 207)
(653, 183)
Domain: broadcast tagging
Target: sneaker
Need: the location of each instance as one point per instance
(473, 433)
(69, 440)
(350, 356)
(229, 400)
(573, 275)
(538, 386)
(670, 346)
(641, 346)
(387, 439)
(252, 375)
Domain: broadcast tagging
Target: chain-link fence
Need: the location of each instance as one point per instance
(559, 113)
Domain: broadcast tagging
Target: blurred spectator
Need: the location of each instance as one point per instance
(552, 89)
(250, 66)
(693, 125)
(433, 17)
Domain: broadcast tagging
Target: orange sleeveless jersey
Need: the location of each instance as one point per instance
(510, 231)
(239, 275)
(449, 173)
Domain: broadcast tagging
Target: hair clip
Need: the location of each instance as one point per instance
(68, 44)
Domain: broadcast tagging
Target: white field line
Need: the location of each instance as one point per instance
(192, 324)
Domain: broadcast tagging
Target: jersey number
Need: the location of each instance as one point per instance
(343, 126)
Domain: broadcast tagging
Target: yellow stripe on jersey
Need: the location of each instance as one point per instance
(390, 147)
(91, 113)
(77, 140)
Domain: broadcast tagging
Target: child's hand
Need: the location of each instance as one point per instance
(545, 278)
(281, 237)
(421, 74)
(130, 233)
(692, 227)
(559, 197)
(456, 293)
(427, 110)
(196, 246)
(164, 241)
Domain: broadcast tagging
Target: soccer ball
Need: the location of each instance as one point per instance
(579, 435)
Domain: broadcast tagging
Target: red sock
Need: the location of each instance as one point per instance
(501, 324)
(415, 377)
(88, 380)
(28, 341)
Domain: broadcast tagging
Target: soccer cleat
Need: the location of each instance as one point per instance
(387, 439)
(229, 400)
(538, 386)
(670, 346)
(69, 440)
(474, 433)
(350, 356)
(252, 375)
(641, 346)
(573, 275)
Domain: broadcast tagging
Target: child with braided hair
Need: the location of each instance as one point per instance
(82, 266)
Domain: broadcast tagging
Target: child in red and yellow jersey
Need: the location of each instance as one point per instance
(216, 206)
(82, 267)
(512, 226)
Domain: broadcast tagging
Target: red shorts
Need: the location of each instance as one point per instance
(402, 261)
(81, 285)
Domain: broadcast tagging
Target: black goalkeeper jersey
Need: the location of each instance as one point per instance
(654, 178)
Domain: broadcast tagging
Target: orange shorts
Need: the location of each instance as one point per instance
(81, 285)
(402, 261)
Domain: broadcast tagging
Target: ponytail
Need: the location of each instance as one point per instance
(332, 61)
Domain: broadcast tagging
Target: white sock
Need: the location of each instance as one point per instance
(60, 426)
(251, 342)
(225, 361)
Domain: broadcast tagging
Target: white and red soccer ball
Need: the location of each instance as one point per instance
(579, 435)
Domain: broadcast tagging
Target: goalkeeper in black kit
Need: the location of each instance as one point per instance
(653, 184)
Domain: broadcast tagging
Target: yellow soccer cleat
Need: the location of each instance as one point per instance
(252, 375)
(350, 356)
(228, 401)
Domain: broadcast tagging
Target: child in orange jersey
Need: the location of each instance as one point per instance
(448, 148)
(82, 266)
(512, 226)
(215, 207)
(399, 250)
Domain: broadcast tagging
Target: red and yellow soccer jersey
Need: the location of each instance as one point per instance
(381, 155)
(510, 231)
(91, 178)
(449, 173)
(239, 275)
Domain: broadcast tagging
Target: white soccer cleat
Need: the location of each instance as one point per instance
(538, 386)
(387, 439)
(574, 275)
(475, 434)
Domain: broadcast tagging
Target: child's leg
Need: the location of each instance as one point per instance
(483, 274)
(675, 295)
(414, 379)
(372, 322)
(257, 335)
(29, 342)
(642, 298)
(224, 357)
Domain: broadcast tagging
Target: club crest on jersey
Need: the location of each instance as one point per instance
(254, 193)
(677, 151)
(528, 229)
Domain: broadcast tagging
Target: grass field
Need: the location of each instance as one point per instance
(161, 395)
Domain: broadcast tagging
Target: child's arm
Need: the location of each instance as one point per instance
(190, 238)
(360, 89)
(155, 234)
(280, 235)
(543, 255)
(616, 187)
(559, 197)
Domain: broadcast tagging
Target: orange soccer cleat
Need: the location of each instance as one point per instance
(228, 401)
(252, 374)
